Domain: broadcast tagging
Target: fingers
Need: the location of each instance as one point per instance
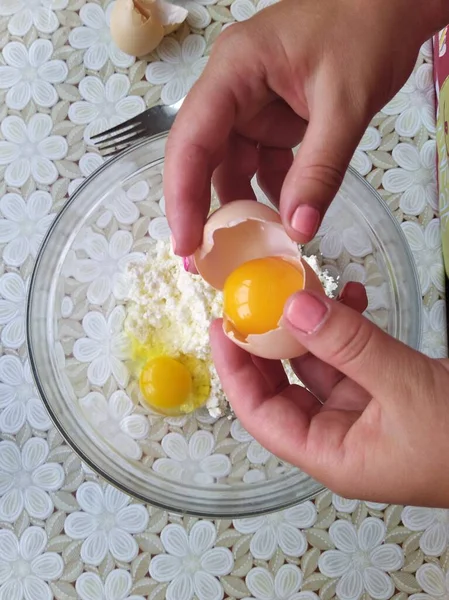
(194, 149)
(320, 165)
(238, 374)
(290, 423)
(274, 164)
(275, 125)
(353, 295)
(273, 372)
(262, 144)
(343, 339)
(232, 178)
(279, 421)
(319, 377)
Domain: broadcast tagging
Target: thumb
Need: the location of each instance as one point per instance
(346, 340)
(318, 170)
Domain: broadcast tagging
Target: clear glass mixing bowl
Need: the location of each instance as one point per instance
(192, 464)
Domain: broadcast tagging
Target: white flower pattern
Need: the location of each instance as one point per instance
(29, 150)
(30, 74)
(104, 105)
(284, 585)
(106, 523)
(242, 10)
(191, 564)
(24, 225)
(434, 525)
(192, 461)
(26, 480)
(89, 162)
(122, 204)
(105, 269)
(255, 453)
(425, 244)
(117, 586)
(179, 66)
(13, 291)
(434, 327)
(198, 16)
(370, 141)
(114, 421)
(95, 37)
(281, 529)
(361, 560)
(415, 177)
(105, 347)
(339, 232)
(433, 581)
(19, 400)
(25, 13)
(25, 569)
(346, 506)
(415, 103)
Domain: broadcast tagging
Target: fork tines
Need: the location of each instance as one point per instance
(112, 144)
(119, 137)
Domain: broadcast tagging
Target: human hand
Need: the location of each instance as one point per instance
(384, 410)
(300, 68)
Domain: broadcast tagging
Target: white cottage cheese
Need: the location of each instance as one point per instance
(178, 308)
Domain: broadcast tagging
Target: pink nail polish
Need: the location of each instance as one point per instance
(306, 220)
(306, 311)
(186, 263)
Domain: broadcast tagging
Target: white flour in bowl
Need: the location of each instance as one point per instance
(177, 308)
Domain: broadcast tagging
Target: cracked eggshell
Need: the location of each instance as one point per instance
(278, 344)
(239, 232)
(138, 26)
(236, 233)
(171, 16)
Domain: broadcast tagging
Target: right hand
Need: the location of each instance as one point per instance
(302, 68)
(374, 425)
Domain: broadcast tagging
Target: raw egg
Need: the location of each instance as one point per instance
(138, 26)
(170, 385)
(249, 301)
(247, 253)
(165, 383)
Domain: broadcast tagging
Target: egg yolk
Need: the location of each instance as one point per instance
(254, 295)
(165, 383)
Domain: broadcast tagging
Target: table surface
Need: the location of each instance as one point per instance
(48, 71)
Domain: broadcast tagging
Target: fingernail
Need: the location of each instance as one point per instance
(307, 312)
(173, 244)
(306, 220)
(344, 291)
(189, 265)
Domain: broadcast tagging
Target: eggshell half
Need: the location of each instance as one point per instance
(136, 27)
(278, 344)
(236, 233)
(171, 15)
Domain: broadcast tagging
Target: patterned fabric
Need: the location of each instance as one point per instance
(65, 534)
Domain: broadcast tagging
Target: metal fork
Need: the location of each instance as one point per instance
(152, 121)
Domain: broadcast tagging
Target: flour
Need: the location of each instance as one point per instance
(176, 308)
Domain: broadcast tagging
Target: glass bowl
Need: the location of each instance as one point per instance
(212, 467)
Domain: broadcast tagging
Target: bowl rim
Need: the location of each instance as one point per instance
(252, 510)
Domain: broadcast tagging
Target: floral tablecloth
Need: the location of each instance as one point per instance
(63, 532)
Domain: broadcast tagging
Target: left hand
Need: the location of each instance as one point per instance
(373, 409)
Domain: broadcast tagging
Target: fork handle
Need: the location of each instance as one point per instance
(160, 118)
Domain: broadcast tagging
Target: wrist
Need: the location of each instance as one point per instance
(420, 19)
